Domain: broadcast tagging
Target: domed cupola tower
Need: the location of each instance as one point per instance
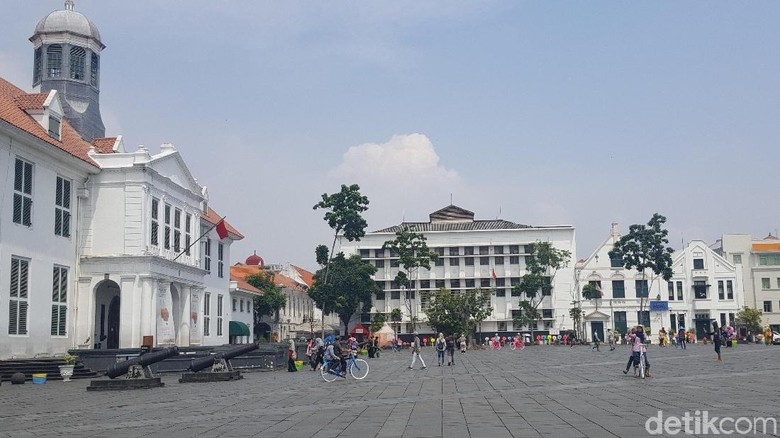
(67, 59)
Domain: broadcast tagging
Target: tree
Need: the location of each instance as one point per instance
(576, 315)
(590, 292)
(528, 315)
(272, 300)
(377, 322)
(349, 289)
(458, 312)
(413, 253)
(542, 265)
(343, 216)
(751, 318)
(395, 318)
(646, 248)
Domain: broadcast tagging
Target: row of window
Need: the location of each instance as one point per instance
(240, 304)
(19, 298)
(454, 251)
(23, 199)
(768, 307)
(700, 289)
(766, 283)
(54, 58)
(207, 314)
(467, 261)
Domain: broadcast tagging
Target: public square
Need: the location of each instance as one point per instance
(550, 391)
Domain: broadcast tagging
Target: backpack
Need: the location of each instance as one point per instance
(336, 349)
(441, 344)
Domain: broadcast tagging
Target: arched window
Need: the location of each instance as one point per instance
(54, 61)
(77, 62)
(37, 66)
(93, 70)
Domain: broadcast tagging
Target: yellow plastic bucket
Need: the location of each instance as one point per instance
(39, 378)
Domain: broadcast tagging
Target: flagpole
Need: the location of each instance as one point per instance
(198, 239)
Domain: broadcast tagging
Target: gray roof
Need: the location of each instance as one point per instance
(69, 21)
(455, 226)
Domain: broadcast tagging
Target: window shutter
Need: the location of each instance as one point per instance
(58, 222)
(55, 289)
(63, 319)
(58, 192)
(14, 278)
(18, 175)
(66, 224)
(55, 312)
(17, 208)
(66, 194)
(63, 285)
(28, 178)
(13, 317)
(23, 279)
(27, 211)
(22, 317)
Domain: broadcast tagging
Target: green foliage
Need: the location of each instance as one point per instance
(646, 248)
(350, 288)
(542, 264)
(272, 299)
(321, 252)
(395, 315)
(751, 318)
(377, 322)
(590, 292)
(458, 312)
(344, 210)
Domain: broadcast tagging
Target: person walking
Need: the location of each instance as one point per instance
(291, 357)
(451, 350)
(611, 339)
(681, 338)
(716, 339)
(440, 345)
(596, 341)
(416, 347)
(462, 342)
(318, 350)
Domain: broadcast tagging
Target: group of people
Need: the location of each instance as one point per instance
(332, 348)
(444, 346)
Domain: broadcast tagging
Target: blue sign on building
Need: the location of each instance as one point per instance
(659, 306)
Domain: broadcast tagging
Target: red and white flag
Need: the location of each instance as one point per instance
(222, 231)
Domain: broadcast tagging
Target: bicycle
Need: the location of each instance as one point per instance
(517, 344)
(357, 368)
(642, 369)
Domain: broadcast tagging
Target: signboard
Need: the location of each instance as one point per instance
(659, 306)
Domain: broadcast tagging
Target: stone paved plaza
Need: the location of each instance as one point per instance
(541, 391)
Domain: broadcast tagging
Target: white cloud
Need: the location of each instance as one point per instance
(400, 175)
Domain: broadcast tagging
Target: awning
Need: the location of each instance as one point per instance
(238, 328)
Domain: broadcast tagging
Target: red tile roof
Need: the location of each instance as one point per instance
(213, 217)
(307, 276)
(243, 285)
(14, 101)
(243, 271)
(104, 145)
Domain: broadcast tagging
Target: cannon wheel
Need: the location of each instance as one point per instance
(359, 369)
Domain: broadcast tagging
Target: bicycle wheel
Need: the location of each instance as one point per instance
(359, 369)
(512, 346)
(642, 366)
(327, 376)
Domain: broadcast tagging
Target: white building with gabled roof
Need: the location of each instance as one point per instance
(704, 288)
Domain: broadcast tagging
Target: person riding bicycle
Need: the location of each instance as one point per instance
(637, 340)
(333, 353)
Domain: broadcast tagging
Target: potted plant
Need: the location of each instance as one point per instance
(66, 371)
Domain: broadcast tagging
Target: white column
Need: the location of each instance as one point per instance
(129, 313)
(184, 315)
(196, 315)
(84, 314)
(147, 307)
(163, 314)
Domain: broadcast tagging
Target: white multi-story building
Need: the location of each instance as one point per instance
(759, 261)
(704, 288)
(473, 254)
(95, 241)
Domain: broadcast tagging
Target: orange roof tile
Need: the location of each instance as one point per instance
(104, 145)
(213, 217)
(14, 100)
(307, 276)
(31, 101)
(244, 286)
(773, 247)
(242, 271)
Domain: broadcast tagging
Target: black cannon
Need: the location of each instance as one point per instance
(221, 368)
(136, 370)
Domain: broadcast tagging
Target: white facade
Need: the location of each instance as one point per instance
(469, 252)
(759, 261)
(38, 253)
(704, 288)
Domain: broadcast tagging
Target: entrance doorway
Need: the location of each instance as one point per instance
(597, 327)
(107, 319)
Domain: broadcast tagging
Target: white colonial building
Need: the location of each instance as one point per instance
(95, 240)
(759, 261)
(473, 254)
(704, 288)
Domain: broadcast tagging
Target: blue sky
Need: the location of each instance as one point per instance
(545, 112)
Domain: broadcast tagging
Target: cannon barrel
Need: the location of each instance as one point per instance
(147, 359)
(201, 363)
